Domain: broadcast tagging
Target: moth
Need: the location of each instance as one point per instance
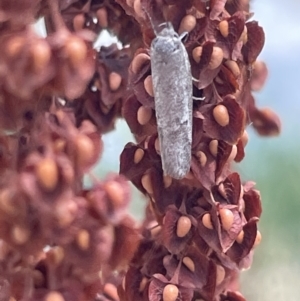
(172, 87)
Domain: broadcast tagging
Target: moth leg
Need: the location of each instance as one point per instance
(195, 79)
(199, 98)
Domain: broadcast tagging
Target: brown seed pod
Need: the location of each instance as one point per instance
(220, 274)
(14, 46)
(206, 221)
(138, 156)
(138, 61)
(213, 147)
(144, 114)
(167, 181)
(84, 149)
(157, 145)
(197, 52)
(257, 239)
(143, 284)
(115, 192)
(170, 292)
(221, 115)
(148, 85)
(20, 235)
(240, 237)
(184, 225)
(224, 28)
(76, 50)
(111, 290)
(41, 54)
(54, 296)
(47, 173)
(83, 239)
(216, 58)
(187, 24)
(114, 80)
(202, 158)
(227, 218)
(232, 154)
(146, 183)
(233, 67)
(102, 17)
(188, 262)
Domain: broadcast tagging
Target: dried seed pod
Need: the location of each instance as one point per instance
(41, 54)
(143, 284)
(213, 147)
(221, 115)
(144, 114)
(54, 296)
(233, 67)
(232, 154)
(148, 85)
(220, 274)
(115, 192)
(227, 218)
(216, 58)
(138, 61)
(202, 158)
(244, 35)
(114, 80)
(170, 292)
(146, 182)
(184, 225)
(245, 138)
(240, 237)
(102, 17)
(76, 50)
(188, 262)
(197, 52)
(206, 221)
(138, 8)
(187, 24)
(20, 235)
(224, 28)
(257, 239)
(47, 174)
(78, 22)
(111, 290)
(138, 156)
(14, 46)
(157, 145)
(84, 149)
(83, 239)
(167, 181)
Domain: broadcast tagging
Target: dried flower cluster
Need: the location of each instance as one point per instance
(61, 241)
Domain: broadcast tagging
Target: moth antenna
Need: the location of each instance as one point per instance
(150, 19)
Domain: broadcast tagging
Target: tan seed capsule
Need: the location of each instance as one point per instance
(197, 52)
(20, 235)
(187, 24)
(111, 290)
(84, 149)
(213, 147)
(227, 218)
(240, 237)
(222, 190)
(233, 67)
(220, 274)
(224, 28)
(41, 54)
(144, 115)
(115, 81)
(221, 115)
(206, 221)
(47, 173)
(216, 58)
(54, 296)
(14, 46)
(245, 138)
(170, 292)
(76, 50)
(6, 204)
(257, 239)
(143, 284)
(78, 22)
(148, 85)
(146, 183)
(102, 17)
(189, 263)
(139, 61)
(202, 158)
(232, 154)
(244, 35)
(83, 239)
(138, 156)
(115, 192)
(184, 225)
(167, 181)
(157, 145)
(138, 8)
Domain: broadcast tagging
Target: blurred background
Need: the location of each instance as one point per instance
(273, 163)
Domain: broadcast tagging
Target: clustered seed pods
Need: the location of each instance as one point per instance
(64, 240)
